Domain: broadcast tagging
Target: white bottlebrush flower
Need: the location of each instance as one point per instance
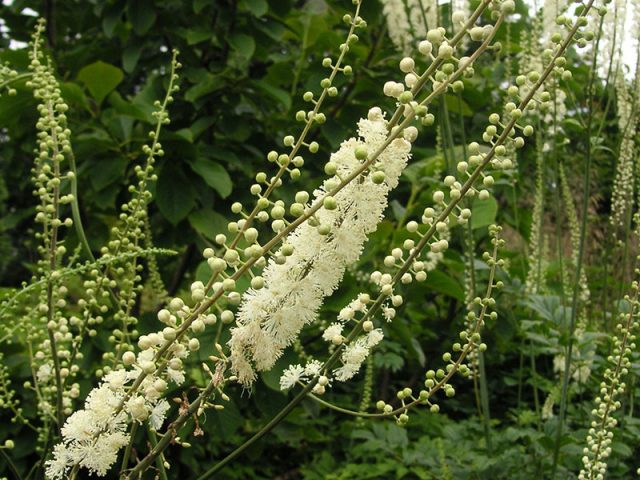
(91, 438)
(271, 318)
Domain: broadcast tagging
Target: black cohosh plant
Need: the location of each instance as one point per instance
(292, 255)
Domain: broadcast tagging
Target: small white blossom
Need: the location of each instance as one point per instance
(332, 331)
(292, 375)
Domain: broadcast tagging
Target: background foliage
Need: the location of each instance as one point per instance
(246, 64)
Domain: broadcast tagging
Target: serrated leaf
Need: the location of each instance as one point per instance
(100, 78)
(73, 93)
(214, 175)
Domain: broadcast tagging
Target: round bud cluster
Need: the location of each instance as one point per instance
(600, 434)
(7, 76)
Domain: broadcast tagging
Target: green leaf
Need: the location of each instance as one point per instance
(199, 5)
(208, 223)
(142, 15)
(256, 7)
(243, 44)
(100, 78)
(276, 93)
(459, 106)
(483, 212)
(210, 84)
(214, 175)
(174, 194)
(106, 171)
(110, 20)
(73, 93)
(128, 109)
(443, 283)
(130, 57)
(197, 36)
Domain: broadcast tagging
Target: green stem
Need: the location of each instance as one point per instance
(127, 452)
(159, 460)
(484, 397)
(261, 433)
(11, 465)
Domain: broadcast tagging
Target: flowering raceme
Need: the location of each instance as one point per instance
(317, 253)
(93, 436)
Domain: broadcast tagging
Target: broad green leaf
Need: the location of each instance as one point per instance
(100, 78)
(110, 20)
(276, 93)
(243, 44)
(197, 36)
(204, 87)
(459, 106)
(483, 212)
(106, 171)
(208, 222)
(443, 283)
(199, 5)
(174, 195)
(257, 7)
(73, 93)
(141, 14)
(129, 109)
(214, 175)
(130, 57)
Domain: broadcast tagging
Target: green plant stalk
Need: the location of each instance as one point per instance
(484, 397)
(75, 212)
(159, 461)
(11, 465)
(127, 452)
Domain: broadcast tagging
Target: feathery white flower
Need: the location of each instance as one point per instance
(356, 353)
(271, 318)
(332, 331)
(158, 414)
(292, 375)
(91, 437)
